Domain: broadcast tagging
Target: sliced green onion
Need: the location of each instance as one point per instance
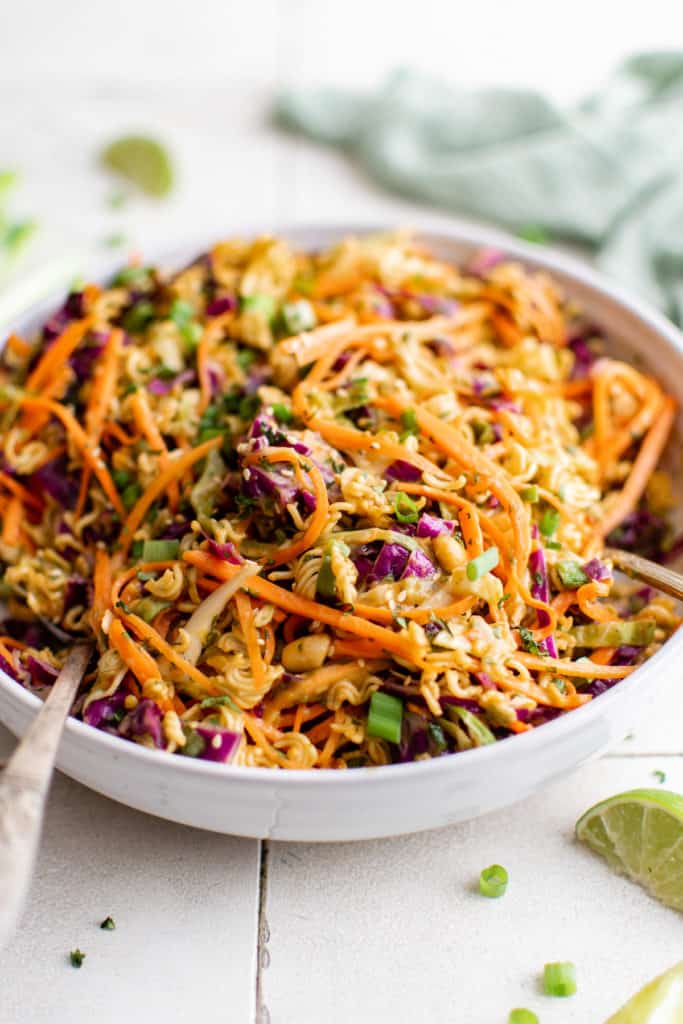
(493, 882)
(282, 413)
(522, 1016)
(182, 314)
(263, 305)
(483, 432)
(529, 494)
(550, 520)
(130, 495)
(217, 702)
(194, 743)
(638, 633)
(139, 278)
(436, 737)
(138, 316)
(76, 958)
(385, 717)
(409, 422)
(660, 776)
(405, 509)
(553, 545)
(326, 585)
(299, 316)
(121, 477)
(148, 608)
(160, 550)
(478, 731)
(482, 564)
(108, 925)
(559, 979)
(571, 574)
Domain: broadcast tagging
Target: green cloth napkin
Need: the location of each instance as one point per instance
(607, 174)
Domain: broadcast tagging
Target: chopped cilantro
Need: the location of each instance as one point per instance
(108, 925)
(76, 958)
(528, 642)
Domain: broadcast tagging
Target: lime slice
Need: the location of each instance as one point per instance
(143, 161)
(640, 834)
(660, 1002)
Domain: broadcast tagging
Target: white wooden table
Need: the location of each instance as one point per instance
(223, 929)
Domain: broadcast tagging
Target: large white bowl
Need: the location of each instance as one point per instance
(369, 802)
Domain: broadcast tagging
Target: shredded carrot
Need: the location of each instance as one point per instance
(19, 346)
(58, 353)
(297, 605)
(92, 458)
(421, 615)
(103, 387)
(9, 641)
(102, 587)
(146, 632)
(641, 470)
(119, 433)
(357, 648)
(144, 421)
(246, 620)
(11, 521)
(141, 664)
(471, 532)
(83, 492)
(20, 491)
(585, 598)
(175, 470)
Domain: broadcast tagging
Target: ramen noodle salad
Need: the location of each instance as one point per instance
(327, 510)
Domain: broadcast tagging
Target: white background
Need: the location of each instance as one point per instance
(385, 931)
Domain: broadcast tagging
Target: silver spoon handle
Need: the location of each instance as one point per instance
(23, 788)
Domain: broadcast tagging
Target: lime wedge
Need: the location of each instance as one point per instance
(143, 161)
(640, 835)
(660, 1002)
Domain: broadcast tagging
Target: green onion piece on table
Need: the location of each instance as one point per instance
(522, 1016)
(559, 979)
(493, 881)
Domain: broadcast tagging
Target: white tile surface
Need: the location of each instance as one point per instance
(185, 905)
(387, 931)
(395, 930)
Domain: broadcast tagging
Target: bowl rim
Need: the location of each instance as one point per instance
(474, 236)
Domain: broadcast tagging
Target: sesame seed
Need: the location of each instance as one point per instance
(247, 474)
(216, 743)
(376, 445)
